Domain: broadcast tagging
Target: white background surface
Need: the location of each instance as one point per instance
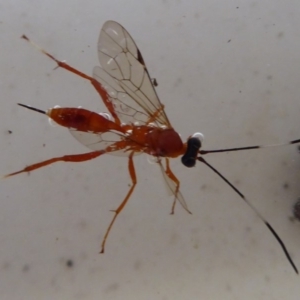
(229, 69)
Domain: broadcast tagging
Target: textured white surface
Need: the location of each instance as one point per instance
(229, 69)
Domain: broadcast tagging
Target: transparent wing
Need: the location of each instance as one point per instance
(125, 77)
(101, 141)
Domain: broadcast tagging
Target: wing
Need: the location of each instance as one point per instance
(99, 141)
(95, 141)
(113, 141)
(126, 79)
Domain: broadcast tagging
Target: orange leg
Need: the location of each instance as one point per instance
(173, 184)
(172, 176)
(122, 205)
(101, 91)
(66, 158)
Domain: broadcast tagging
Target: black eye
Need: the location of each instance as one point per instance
(189, 158)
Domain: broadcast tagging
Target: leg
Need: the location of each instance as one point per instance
(59, 63)
(171, 175)
(122, 205)
(66, 158)
(101, 91)
(173, 184)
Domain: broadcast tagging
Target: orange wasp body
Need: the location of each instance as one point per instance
(160, 142)
(136, 122)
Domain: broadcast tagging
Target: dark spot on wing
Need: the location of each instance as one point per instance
(140, 57)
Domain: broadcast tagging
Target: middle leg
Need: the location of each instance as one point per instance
(122, 205)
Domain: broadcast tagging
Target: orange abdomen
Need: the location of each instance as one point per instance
(82, 120)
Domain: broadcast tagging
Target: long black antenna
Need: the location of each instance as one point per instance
(253, 208)
(202, 152)
(33, 108)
